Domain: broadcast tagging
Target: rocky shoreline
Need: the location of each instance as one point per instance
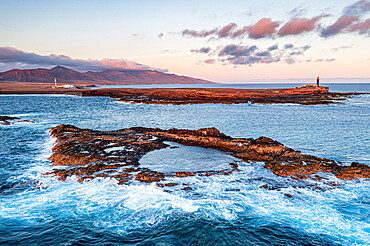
(90, 154)
(305, 95)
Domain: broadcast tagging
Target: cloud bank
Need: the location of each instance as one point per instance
(263, 28)
(349, 22)
(12, 57)
(250, 55)
(245, 55)
(300, 25)
(358, 8)
(341, 24)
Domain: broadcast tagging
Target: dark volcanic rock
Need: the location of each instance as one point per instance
(288, 195)
(89, 154)
(178, 96)
(310, 95)
(7, 120)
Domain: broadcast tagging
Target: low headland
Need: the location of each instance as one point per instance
(305, 95)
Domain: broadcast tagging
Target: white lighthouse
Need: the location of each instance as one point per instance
(55, 84)
(66, 86)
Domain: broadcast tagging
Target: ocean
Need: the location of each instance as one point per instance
(334, 87)
(219, 210)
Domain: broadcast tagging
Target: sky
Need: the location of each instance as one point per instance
(222, 41)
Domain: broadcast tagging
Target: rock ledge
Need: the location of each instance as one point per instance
(89, 154)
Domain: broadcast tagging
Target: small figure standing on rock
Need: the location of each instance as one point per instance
(317, 81)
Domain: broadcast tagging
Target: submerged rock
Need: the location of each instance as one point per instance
(90, 154)
(7, 120)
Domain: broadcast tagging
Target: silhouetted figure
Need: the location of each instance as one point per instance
(318, 81)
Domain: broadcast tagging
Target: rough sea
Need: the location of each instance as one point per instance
(220, 210)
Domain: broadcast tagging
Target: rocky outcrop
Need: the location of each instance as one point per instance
(89, 154)
(7, 120)
(301, 95)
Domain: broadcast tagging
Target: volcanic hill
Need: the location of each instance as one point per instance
(66, 75)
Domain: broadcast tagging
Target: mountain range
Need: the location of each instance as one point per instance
(66, 75)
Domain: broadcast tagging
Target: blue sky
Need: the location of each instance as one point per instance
(151, 33)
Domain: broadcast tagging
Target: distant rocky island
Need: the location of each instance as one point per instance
(305, 95)
(66, 75)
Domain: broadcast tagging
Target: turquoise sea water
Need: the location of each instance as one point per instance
(220, 210)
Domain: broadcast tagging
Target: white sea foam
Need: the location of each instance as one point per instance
(119, 148)
(123, 208)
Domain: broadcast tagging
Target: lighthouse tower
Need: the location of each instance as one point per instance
(55, 83)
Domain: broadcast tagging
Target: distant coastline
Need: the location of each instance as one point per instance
(305, 95)
(65, 75)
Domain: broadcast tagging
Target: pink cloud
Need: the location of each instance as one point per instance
(240, 32)
(362, 27)
(210, 61)
(263, 28)
(299, 25)
(225, 31)
(341, 24)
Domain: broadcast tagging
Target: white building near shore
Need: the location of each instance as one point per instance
(65, 86)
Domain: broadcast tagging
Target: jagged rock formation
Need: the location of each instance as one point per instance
(89, 154)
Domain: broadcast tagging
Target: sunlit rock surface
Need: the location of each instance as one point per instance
(306, 95)
(89, 154)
